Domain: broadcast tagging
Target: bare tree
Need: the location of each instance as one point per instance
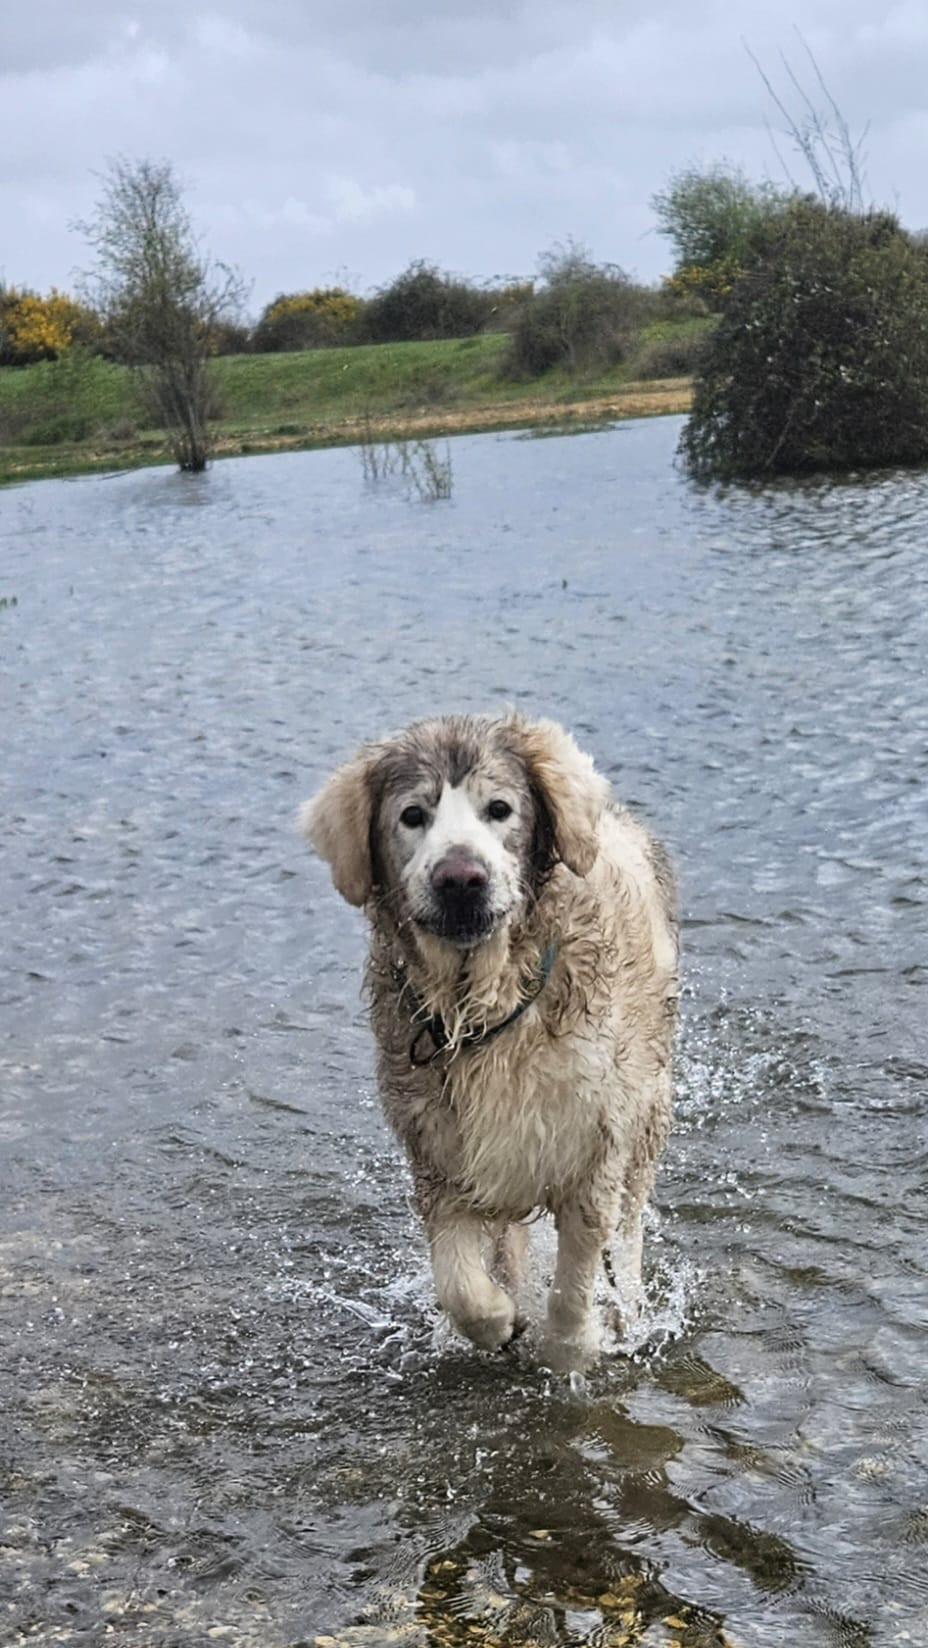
(820, 134)
(160, 298)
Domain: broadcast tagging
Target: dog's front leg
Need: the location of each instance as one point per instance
(572, 1339)
(477, 1307)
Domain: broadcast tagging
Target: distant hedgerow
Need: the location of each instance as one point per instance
(316, 319)
(820, 358)
(423, 303)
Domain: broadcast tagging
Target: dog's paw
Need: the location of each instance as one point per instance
(571, 1351)
(494, 1326)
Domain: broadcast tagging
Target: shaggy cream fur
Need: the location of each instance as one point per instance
(566, 1109)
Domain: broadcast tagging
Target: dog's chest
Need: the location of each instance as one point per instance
(528, 1126)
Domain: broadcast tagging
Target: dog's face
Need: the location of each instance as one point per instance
(454, 823)
(453, 836)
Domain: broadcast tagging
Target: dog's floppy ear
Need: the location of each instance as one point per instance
(337, 824)
(567, 787)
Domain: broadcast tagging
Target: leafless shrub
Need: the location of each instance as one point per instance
(161, 299)
(399, 457)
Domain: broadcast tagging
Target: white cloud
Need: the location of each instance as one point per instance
(222, 35)
(533, 159)
(352, 203)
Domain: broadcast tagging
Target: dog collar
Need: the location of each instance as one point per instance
(434, 1025)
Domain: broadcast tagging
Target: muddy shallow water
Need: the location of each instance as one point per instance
(227, 1409)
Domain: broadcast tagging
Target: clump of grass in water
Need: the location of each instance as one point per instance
(429, 475)
(381, 459)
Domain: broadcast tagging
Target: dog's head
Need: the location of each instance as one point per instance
(455, 824)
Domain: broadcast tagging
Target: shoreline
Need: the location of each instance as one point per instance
(646, 399)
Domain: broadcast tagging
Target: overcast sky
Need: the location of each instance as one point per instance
(325, 140)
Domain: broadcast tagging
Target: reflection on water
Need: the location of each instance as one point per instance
(227, 1408)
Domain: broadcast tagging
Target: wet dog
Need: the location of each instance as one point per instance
(522, 982)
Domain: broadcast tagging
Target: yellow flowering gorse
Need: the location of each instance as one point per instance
(36, 328)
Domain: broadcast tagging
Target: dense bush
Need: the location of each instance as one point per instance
(34, 328)
(820, 359)
(230, 337)
(424, 303)
(506, 300)
(582, 316)
(711, 214)
(706, 283)
(317, 319)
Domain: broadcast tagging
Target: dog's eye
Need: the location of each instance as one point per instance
(499, 809)
(412, 817)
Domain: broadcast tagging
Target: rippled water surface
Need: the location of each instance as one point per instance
(227, 1410)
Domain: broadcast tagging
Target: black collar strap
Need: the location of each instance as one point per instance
(434, 1027)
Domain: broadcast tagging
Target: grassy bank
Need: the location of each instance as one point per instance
(78, 415)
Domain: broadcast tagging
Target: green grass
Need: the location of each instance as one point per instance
(83, 413)
(665, 331)
(72, 399)
(387, 380)
(316, 385)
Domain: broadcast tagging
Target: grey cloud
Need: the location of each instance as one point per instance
(357, 135)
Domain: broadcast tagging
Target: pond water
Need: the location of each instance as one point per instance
(227, 1408)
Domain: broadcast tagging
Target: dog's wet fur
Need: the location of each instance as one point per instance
(479, 845)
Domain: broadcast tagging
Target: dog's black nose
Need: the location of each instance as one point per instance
(460, 873)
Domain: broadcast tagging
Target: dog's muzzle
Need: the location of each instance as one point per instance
(460, 897)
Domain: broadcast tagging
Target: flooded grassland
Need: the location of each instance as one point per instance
(227, 1408)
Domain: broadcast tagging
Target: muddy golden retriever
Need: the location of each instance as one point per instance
(522, 981)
